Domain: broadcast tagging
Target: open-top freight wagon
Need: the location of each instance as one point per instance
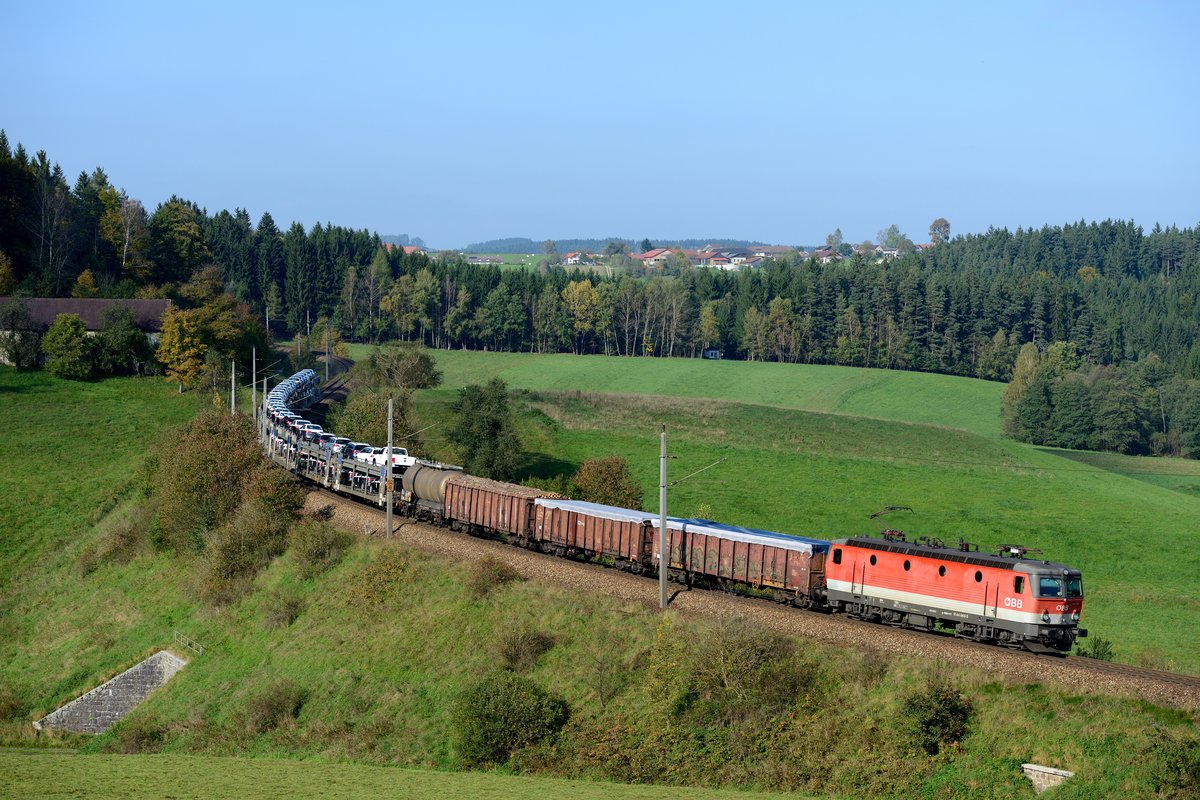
(730, 557)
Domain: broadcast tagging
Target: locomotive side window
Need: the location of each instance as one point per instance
(978, 576)
(907, 565)
(1019, 584)
(942, 571)
(872, 561)
(837, 555)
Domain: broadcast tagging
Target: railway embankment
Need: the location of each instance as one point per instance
(1074, 673)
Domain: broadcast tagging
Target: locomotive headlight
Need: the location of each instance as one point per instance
(1046, 617)
(1075, 616)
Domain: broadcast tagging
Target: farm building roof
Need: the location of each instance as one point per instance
(147, 314)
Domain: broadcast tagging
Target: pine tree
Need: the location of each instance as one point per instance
(1034, 408)
(300, 278)
(268, 260)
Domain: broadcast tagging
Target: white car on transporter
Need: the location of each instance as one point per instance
(378, 456)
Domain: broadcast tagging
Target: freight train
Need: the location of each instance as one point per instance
(1005, 598)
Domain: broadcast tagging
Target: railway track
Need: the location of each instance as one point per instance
(1020, 667)
(335, 391)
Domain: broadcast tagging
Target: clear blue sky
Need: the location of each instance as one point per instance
(459, 122)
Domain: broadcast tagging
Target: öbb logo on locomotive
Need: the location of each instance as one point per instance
(1005, 598)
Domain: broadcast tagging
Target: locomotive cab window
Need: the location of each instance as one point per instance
(1074, 586)
(1049, 587)
(1019, 584)
(837, 555)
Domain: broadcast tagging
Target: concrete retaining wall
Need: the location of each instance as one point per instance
(102, 707)
(1044, 777)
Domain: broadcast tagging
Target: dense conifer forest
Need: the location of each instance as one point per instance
(1096, 310)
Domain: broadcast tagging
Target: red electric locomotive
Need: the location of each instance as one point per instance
(1004, 599)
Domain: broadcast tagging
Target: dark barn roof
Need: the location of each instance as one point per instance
(146, 313)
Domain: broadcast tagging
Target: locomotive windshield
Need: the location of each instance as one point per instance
(1049, 586)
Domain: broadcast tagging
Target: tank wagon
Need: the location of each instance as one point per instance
(1006, 598)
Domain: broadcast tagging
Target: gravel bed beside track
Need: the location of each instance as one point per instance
(1075, 674)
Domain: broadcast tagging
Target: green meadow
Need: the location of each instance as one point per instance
(54, 775)
(946, 400)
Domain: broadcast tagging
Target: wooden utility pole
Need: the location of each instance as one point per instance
(328, 336)
(662, 520)
(254, 385)
(232, 387)
(264, 425)
(390, 471)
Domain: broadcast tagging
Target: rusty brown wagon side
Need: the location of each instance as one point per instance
(726, 554)
(576, 527)
(493, 506)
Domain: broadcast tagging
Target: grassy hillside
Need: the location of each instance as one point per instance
(966, 403)
(79, 446)
(384, 642)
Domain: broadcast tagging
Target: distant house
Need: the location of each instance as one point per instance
(654, 259)
(147, 314)
(408, 249)
(713, 354)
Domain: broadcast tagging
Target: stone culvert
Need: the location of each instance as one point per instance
(102, 707)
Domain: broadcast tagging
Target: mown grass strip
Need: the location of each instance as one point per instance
(53, 775)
